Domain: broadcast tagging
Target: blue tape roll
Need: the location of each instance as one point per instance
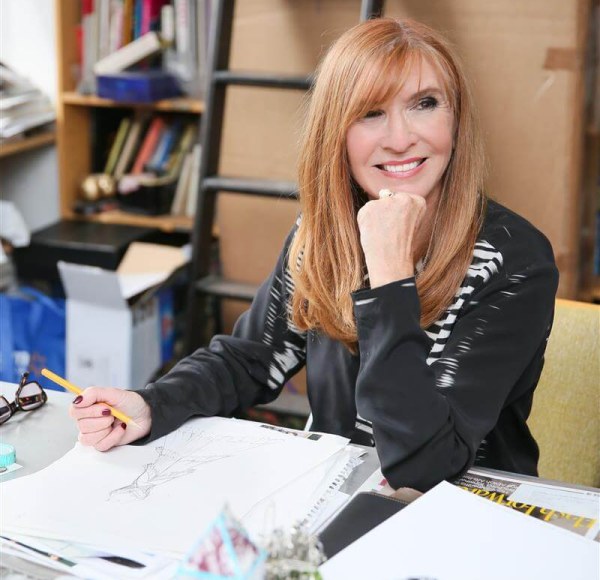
(8, 455)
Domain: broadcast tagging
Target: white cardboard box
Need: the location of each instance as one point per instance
(113, 324)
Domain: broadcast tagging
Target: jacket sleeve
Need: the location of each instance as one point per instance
(234, 372)
(429, 419)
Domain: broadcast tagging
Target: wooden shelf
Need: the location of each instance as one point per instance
(27, 143)
(166, 223)
(180, 105)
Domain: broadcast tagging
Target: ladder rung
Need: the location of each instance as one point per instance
(262, 80)
(266, 187)
(217, 286)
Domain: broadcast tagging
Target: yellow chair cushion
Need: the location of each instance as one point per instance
(565, 419)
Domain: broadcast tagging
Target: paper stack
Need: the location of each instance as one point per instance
(22, 106)
(149, 504)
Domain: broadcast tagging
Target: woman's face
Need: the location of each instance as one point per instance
(406, 143)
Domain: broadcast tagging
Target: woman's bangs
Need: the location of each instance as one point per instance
(382, 80)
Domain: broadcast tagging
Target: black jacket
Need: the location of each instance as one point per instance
(433, 401)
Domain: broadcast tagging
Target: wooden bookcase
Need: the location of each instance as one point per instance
(34, 141)
(73, 127)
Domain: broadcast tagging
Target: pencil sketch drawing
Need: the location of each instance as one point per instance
(180, 454)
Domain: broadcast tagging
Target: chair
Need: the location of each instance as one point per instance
(565, 419)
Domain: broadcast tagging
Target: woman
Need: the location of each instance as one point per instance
(420, 309)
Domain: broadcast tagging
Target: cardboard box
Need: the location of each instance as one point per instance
(113, 321)
(526, 62)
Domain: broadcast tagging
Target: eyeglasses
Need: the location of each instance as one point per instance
(29, 397)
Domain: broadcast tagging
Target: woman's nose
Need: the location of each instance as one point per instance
(399, 133)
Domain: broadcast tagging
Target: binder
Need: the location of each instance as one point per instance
(364, 511)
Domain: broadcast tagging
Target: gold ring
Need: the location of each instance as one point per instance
(386, 193)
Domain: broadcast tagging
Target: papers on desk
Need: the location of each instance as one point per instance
(159, 498)
(451, 534)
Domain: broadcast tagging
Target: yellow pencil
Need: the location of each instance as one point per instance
(71, 387)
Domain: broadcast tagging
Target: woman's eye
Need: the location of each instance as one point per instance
(373, 114)
(427, 103)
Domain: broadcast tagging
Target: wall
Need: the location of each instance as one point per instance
(27, 44)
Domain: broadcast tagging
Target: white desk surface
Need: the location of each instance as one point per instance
(39, 437)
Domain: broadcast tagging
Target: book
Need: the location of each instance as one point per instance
(103, 10)
(127, 22)
(184, 145)
(117, 146)
(179, 204)
(89, 33)
(129, 54)
(115, 39)
(151, 15)
(148, 145)
(165, 145)
(129, 149)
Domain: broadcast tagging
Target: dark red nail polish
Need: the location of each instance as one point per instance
(124, 425)
(106, 412)
(77, 399)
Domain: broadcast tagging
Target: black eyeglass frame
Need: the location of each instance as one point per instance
(16, 405)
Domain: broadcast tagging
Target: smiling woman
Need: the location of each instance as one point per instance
(420, 308)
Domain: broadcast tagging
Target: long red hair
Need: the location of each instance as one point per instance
(363, 68)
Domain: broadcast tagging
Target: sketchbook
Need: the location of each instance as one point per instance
(160, 497)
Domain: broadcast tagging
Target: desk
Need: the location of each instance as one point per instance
(40, 437)
(43, 436)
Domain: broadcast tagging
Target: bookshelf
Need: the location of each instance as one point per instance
(27, 144)
(74, 137)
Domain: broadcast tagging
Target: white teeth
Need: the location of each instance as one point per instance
(401, 168)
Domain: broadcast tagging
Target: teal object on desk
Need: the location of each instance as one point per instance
(8, 455)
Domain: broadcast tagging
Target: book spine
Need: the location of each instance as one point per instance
(103, 27)
(148, 145)
(181, 27)
(117, 146)
(194, 182)
(89, 27)
(145, 20)
(127, 22)
(180, 198)
(163, 148)
(116, 25)
(129, 54)
(156, 7)
(137, 19)
(184, 144)
(128, 149)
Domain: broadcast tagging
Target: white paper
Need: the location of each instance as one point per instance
(450, 534)
(291, 504)
(162, 496)
(572, 501)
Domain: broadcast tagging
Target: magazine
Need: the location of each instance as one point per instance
(571, 508)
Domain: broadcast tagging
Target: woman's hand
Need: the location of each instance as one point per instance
(98, 428)
(389, 228)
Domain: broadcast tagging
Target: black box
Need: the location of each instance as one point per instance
(79, 242)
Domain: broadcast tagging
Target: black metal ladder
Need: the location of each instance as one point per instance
(220, 77)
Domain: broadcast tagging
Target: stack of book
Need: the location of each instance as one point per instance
(151, 164)
(116, 35)
(23, 107)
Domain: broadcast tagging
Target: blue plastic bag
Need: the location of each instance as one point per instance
(32, 336)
